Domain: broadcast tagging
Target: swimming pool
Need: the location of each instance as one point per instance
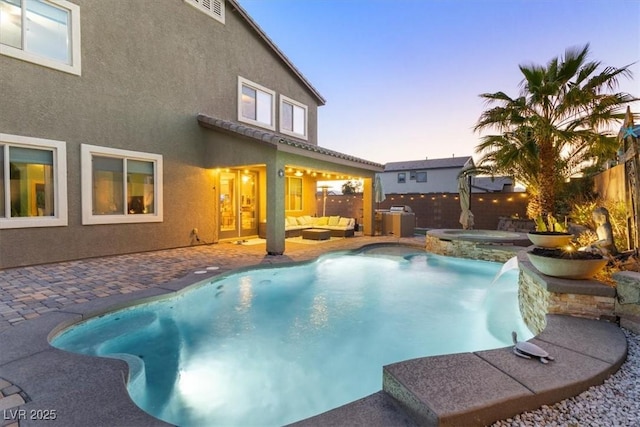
(275, 345)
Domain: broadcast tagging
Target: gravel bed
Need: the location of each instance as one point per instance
(614, 403)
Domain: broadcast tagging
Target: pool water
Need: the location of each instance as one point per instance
(275, 345)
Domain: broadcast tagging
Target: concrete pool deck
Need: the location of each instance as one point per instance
(80, 390)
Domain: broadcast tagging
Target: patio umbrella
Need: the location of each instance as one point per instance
(464, 190)
(378, 192)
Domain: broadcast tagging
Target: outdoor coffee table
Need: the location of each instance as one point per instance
(316, 234)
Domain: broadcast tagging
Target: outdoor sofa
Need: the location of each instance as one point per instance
(339, 226)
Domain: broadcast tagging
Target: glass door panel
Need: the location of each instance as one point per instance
(228, 210)
(248, 211)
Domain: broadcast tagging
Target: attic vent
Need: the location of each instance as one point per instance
(213, 8)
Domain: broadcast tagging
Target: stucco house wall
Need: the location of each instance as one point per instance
(148, 68)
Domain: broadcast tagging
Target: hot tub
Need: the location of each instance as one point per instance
(484, 236)
(494, 245)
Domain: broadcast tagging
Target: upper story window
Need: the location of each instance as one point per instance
(421, 176)
(33, 186)
(213, 8)
(120, 186)
(45, 32)
(256, 104)
(402, 177)
(293, 118)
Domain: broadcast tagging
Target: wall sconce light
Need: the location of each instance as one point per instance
(280, 173)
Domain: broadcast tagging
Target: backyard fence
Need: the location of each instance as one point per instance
(437, 210)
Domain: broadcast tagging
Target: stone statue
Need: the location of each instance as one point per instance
(605, 244)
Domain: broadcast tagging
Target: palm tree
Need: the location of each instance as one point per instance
(558, 123)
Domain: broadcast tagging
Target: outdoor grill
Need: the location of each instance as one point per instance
(401, 208)
(399, 221)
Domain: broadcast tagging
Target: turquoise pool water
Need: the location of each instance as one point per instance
(275, 345)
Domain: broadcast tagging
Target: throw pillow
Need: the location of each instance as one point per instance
(344, 222)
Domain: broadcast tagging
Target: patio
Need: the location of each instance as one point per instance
(34, 300)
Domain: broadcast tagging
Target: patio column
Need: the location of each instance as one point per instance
(368, 209)
(275, 206)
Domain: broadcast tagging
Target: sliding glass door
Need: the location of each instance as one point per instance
(238, 204)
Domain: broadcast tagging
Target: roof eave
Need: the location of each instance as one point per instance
(278, 52)
(287, 144)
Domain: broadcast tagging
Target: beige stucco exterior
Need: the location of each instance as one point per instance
(149, 68)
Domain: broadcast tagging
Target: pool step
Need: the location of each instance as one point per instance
(459, 389)
(476, 389)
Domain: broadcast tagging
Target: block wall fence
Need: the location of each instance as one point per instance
(437, 210)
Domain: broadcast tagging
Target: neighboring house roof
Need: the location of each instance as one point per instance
(488, 184)
(450, 162)
(243, 13)
(280, 142)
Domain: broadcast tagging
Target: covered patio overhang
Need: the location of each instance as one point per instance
(233, 145)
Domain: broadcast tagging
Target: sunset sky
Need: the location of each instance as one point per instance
(402, 77)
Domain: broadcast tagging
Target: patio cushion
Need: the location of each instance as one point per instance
(344, 222)
(323, 220)
(333, 220)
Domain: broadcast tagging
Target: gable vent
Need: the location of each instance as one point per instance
(213, 8)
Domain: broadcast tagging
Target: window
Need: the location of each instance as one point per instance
(213, 8)
(293, 118)
(120, 186)
(293, 194)
(45, 32)
(412, 175)
(421, 176)
(33, 186)
(256, 104)
(402, 177)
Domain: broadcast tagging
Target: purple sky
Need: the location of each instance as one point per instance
(402, 77)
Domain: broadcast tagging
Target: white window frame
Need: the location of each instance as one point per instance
(287, 100)
(86, 165)
(75, 67)
(208, 7)
(59, 148)
(258, 88)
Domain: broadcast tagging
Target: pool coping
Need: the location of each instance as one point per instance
(65, 382)
(450, 234)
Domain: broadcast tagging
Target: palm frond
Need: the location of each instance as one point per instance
(558, 122)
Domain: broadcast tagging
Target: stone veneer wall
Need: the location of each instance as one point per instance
(628, 301)
(536, 301)
(471, 250)
(520, 225)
